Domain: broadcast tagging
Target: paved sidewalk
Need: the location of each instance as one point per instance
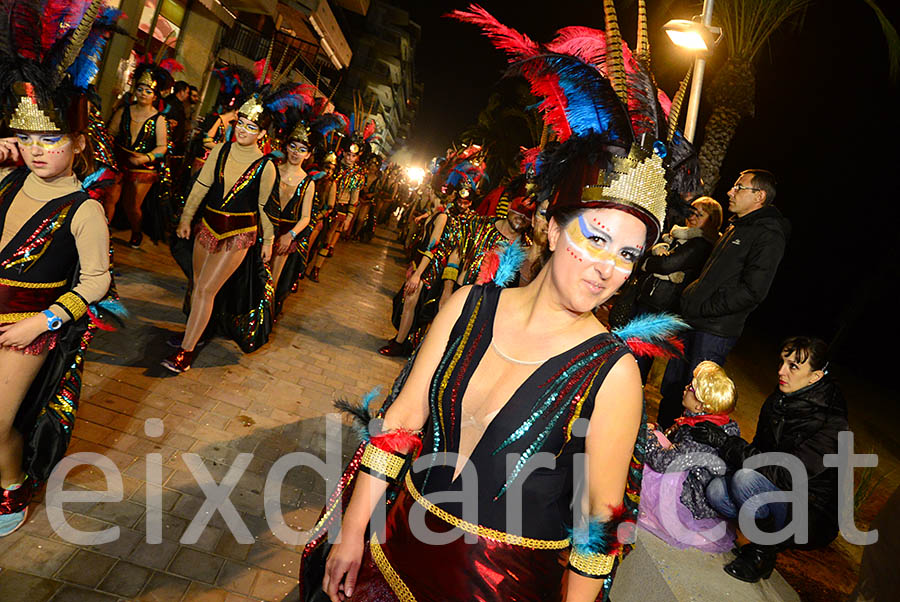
(268, 404)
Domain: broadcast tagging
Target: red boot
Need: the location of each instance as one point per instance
(180, 361)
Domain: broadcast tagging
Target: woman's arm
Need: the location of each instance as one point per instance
(205, 179)
(266, 184)
(305, 209)
(409, 411)
(115, 122)
(92, 242)
(609, 446)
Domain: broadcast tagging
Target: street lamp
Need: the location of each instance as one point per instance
(699, 38)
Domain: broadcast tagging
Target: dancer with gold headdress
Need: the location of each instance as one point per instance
(54, 248)
(504, 374)
(140, 131)
(233, 237)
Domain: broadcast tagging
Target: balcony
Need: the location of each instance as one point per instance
(313, 64)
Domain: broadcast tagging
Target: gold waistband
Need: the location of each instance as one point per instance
(230, 213)
(486, 532)
(18, 284)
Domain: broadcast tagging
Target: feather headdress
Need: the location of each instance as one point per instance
(48, 57)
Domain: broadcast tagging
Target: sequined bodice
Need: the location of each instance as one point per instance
(540, 416)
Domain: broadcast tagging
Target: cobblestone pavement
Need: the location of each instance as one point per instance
(268, 404)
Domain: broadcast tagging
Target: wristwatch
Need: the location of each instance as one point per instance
(54, 322)
(293, 234)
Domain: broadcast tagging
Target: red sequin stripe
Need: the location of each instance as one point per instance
(42, 236)
(464, 368)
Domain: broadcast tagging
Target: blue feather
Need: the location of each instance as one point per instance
(317, 175)
(370, 396)
(594, 538)
(651, 328)
(91, 179)
(115, 307)
(511, 254)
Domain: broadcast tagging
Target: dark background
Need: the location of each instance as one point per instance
(826, 124)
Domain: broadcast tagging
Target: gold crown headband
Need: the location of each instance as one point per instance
(252, 109)
(638, 181)
(32, 114)
(146, 79)
(300, 133)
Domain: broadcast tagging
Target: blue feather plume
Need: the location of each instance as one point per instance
(87, 64)
(92, 179)
(511, 255)
(327, 123)
(115, 307)
(360, 412)
(652, 328)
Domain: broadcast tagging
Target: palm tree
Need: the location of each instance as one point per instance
(748, 25)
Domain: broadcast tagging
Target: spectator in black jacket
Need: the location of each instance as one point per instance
(677, 261)
(734, 281)
(803, 418)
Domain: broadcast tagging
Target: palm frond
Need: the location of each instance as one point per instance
(892, 39)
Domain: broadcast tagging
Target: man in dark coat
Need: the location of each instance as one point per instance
(802, 418)
(735, 280)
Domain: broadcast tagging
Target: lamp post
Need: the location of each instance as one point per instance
(698, 37)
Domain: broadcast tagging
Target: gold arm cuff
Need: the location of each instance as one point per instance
(450, 274)
(427, 254)
(383, 462)
(394, 580)
(72, 303)
(592, 565)
(11, 318)
(486, 532)
(17, 284)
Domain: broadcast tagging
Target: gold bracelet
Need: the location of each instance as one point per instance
(596, 566)
(382, 462)
(73, 303)
(450, 274)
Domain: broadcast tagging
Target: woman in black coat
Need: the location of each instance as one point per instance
(803, 418)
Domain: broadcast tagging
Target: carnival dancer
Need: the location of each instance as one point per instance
(348, 179)
(54, 247)
(290, 210)
(325, 201)
(416, 304)
(233, 238)
(518, 371)
(365, 221)
(235, 84)
(140, 132)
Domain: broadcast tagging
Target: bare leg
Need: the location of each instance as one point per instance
(17, 371)
(110, 200)
(409, 312)
(362, 215)
(333, 233)
(210, 274)
(278, 262)
(135, 192)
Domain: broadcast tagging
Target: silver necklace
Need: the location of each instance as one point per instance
(512, 359)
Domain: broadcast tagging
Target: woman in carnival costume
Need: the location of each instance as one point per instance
(54, 251)
(547, 377)
(290, 210)
(233, 236)
(141, 134)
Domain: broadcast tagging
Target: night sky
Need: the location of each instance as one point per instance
(826, 124)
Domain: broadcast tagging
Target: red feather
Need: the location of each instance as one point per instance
(644, 348)
(258, 71)
(345, 121)
(171, 65)
(620, 519)
(529, 157)
(26, 26)
(368, 130)
(546, 85)
(586, 43)
(96, 321)
(401, 441)
(489, 265)
(516, 45)
(56, 20)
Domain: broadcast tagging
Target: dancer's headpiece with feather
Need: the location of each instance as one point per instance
(49, 55)
(603, 105)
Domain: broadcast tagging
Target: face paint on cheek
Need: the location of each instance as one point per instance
(579, 246)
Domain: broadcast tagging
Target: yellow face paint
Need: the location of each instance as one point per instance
(586, 243)
(47, 142)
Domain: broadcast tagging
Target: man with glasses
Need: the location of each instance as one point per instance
(734, 281)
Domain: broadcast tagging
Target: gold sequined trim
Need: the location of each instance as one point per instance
(598, 565)
(487, 533)
(390, 575)
(382, 461)
(10, 318)
(73, 303)
(17, 284)
(450, 274)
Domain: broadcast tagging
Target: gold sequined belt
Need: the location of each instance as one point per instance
(20, 300)
(486, 532)
(224, 223)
